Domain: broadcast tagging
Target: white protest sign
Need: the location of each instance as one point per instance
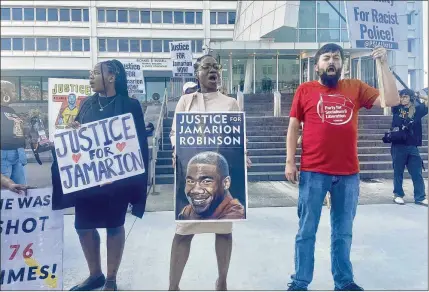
(181, 54)
(98, 152)
(32, 242)
(64, 98)
(135, 78)
(376, 23)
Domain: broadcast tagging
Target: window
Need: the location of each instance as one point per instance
(45, 88)
(64, 14)
(307, 14)
(145, 16)
(146, 47)
(31, 88)
(178, 16)
(41, 14)
(76, 15)
(111, 15)
(231, 17)
(42, 44)
(307, 35)
(190, 17)
(199, 17)
(122, 16)
(410, 46)
(167, 17)
(221, 18)
(167, 45)
(134, 46)
(6, 44)
(328, 35)
(101, 15)
(157, 46)
(212, 17)
(134, 16)
(65, 45)
(5, 13)
(29, 44)
(77, 45)
(193, 46)
(101, 45)
(16, 13)
(53, 44)
(326, 15)
(112, 45)
(86, 15)
(29, 14)
(199, 46)
(344, 35)
(52, 14)
(17, 44)
(409, 19)
(156, 17)
(86, 45)
(123, 45)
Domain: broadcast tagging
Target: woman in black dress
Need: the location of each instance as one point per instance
(105, 206)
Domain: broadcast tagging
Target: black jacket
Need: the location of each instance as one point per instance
(135, 185)
(414, 134)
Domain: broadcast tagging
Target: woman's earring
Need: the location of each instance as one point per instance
(6, 98)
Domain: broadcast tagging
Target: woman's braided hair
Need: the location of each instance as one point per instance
(115, 67)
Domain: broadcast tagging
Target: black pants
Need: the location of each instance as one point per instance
(409, 156)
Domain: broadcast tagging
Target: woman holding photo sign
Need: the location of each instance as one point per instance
(206, 99)
(105, 206)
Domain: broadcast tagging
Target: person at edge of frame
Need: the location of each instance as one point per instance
(105, 206)
(207, 98)
(329, 159)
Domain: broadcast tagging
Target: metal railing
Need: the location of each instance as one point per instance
(158, 139)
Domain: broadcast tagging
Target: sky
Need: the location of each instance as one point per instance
(425, 41)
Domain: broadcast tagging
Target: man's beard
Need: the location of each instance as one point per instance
(330, 81)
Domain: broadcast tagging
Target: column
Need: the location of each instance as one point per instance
(230, 73)
(93, 33)
(254, 73)
(248, 76)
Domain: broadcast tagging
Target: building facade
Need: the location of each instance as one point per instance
(263, 46)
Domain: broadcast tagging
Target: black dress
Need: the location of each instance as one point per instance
(106, 206)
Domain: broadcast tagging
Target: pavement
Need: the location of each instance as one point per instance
(389, 252)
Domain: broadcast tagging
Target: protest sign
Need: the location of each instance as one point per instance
(181, 54)
(376, 23)
(65, 96)
(135, 78)
(211, 174)
(32, 242)
(98, 152)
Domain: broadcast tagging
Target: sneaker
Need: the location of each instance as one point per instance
(399, 201)
(350, 287)
(423, 203)
(293, 287)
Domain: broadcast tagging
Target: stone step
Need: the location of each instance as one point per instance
(282, 151)
(279, 176)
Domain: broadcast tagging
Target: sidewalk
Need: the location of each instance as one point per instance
(389, 251)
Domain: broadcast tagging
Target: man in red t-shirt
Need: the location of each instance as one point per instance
(329, 109)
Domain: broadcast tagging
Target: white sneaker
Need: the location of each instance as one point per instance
(423, 203)
(399, 201)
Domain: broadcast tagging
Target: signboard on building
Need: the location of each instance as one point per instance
(155, 64)
(65, 96)
(376, 23)
(181, 54)
(32, 242)
(135, 78)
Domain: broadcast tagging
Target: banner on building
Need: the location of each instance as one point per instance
(376, 23)
(135, 78)
(32, 242)
(181, 54)
(155, 64)
(65, 96)
(98, 152)
(211, 174)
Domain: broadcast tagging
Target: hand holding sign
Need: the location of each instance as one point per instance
(379, 53)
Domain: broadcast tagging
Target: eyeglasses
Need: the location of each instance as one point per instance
(217, 67)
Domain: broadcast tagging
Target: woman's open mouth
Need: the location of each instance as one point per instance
(213, 78)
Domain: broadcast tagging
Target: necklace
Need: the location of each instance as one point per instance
(103, 107)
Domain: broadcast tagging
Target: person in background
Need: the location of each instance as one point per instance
(329, 159)
(9, 184)
(13, 157)
(206, 99)
(190, 87)
(105, 206)
(407, 117)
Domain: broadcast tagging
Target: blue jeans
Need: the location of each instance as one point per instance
(344, 199)
(409, 156)
(12, 165)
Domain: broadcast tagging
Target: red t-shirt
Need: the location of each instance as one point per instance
(330, 116)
